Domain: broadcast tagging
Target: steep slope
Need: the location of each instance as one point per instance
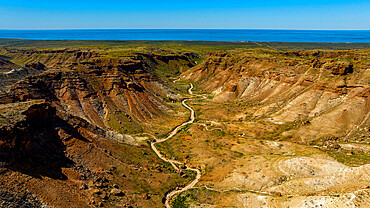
(10, 73)
(61, 131)
(65, 161)
(279, 129)
(329, 91)
(272, 129)
(116, 93)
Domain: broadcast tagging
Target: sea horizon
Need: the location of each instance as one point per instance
(254, 35)
(180, 29)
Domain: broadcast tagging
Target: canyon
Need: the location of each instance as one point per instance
(184, 125)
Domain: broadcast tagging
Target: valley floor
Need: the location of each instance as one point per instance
(242, 171)
(184, 124)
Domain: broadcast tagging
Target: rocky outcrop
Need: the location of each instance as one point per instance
(290, 89)
(37, 66)
(51, 58)
(11, 199)
(6, 65)
(47, 154)
(111, 93)
(16, 73)
(339, 67)
(34, 139)
(40, 132)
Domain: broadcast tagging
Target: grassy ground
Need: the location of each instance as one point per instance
(206, 46)
(196, 46)
(310, 46)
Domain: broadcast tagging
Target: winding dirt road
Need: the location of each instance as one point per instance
(174, 162)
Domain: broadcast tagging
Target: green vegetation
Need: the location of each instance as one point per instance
(310, 46)
(349, 158)
(195, 46)
(182, 201)
(120, 122)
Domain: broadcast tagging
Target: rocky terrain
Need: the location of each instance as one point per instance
(10, 73)
(275, 121)
(106, 91)
(326, 95)
(64, 131)
(109, 127)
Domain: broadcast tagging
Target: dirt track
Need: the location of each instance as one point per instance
(174, 162)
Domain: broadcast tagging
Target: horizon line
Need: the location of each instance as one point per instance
(180, 29)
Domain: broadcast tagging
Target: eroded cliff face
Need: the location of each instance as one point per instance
(328, 90)
(52, 58)
(51, 158)
(280, 128)
(10, 73)
(64, 130)
(113, 93)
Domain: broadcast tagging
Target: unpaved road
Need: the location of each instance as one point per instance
(174, 162)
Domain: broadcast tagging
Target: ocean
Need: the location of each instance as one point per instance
(258, 35)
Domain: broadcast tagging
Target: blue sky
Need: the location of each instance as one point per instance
(197, 14)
